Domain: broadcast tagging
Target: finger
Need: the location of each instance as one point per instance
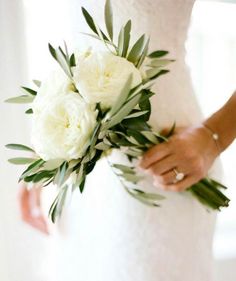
(162, 166)
(154, 154)
(36, 220)
(35, 197)
(38, 223)
(24, 202)
(31, 212)
(165, 179)
(181, 185)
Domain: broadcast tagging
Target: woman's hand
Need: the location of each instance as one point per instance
(30, 206)
(190, 151)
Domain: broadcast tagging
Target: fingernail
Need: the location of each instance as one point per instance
(156, 184)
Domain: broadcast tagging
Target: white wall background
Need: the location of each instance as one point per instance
(19, 244)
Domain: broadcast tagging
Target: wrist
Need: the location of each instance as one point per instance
(214, 136)
(211, 140)
(222, 122)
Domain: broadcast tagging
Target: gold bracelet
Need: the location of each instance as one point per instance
(215, 137)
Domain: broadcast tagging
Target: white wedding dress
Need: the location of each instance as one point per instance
(104, 234)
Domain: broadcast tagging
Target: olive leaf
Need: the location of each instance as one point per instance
(124, 39)
(158, 54)
(61, 199)
(133, 153)
(29, 111)
(109, 18)
(73, 164)
(72, 62)
(32, 168)
(17, 146)
(133, 140)
(118, 141)
(137, 50)
(89, 155)
(145, 104)
(21, 99)
(159, 63)
(137, 136)
(136, 124)
(80, 177)
(21, 160)
(131, 178)
(43, 176)
(62, 59)
(153, 73)
(150, 136)
(53, 210)
(37, 83)
(52, 164)
(151, 196)
(57, 205)
(29, 91)
(160, 137)
(91, 23)
(124, 168)
(217, 183)
(102, 146)
(94, 136)
(171, 131)
(136, 114)
(63, 174)
(98, 38)
(144, 54)
(124, 111)
(143, 197)
(100, 35)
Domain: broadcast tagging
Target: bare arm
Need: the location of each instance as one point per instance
(223, 122)
(192, 150)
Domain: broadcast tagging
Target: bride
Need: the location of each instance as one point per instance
(106, 235)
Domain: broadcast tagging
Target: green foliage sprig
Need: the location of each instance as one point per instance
(125, 126)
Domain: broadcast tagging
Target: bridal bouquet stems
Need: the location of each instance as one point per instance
(95, 102)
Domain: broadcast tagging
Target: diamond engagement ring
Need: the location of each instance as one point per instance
(178, 176)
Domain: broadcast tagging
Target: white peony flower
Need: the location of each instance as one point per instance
(63, 128)
(82, 53)
(58, 83)
(100, 77)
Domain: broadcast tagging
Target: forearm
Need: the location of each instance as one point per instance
(223, 122)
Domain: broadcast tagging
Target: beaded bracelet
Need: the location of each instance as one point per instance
(215, 137)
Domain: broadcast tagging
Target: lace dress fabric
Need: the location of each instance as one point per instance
(105, 235)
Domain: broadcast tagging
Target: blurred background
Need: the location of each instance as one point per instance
(24, 34)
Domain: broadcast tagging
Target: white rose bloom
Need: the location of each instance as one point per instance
(58, 83)
(100, 77)
(82, 53)
(63, 129)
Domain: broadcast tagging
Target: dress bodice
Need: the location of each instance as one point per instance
(166, 21)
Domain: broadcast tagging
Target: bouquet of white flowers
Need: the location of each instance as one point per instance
(98, 101)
